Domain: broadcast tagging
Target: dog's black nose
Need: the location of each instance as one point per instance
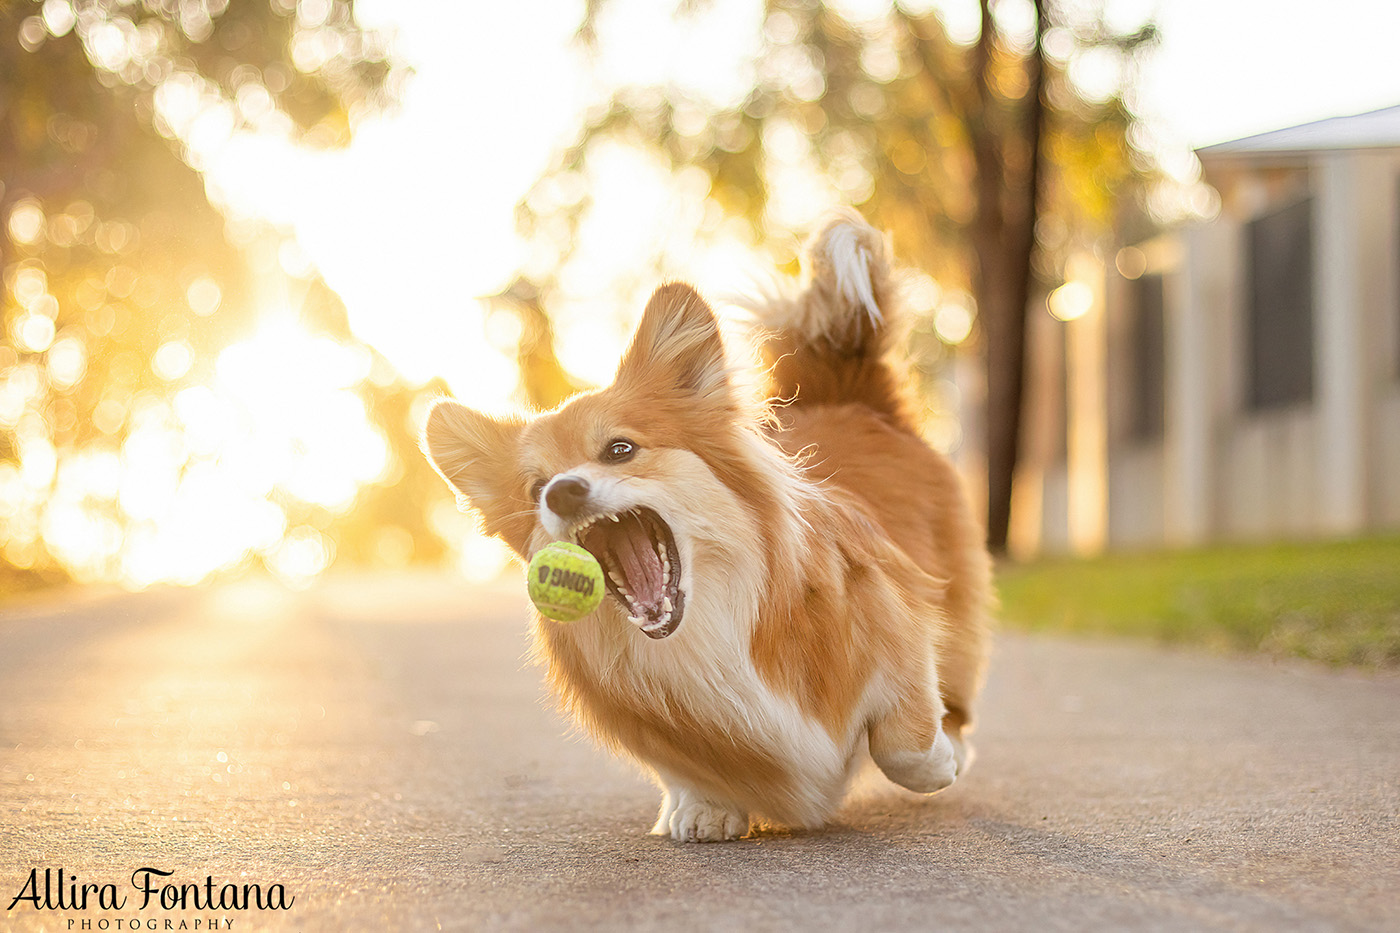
(566, 494)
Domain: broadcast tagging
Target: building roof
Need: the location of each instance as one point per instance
(1377, 129)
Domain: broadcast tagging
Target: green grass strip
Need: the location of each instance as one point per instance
(1336, 601)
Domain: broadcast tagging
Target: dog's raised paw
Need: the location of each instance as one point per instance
(925, 772)
(695, 820)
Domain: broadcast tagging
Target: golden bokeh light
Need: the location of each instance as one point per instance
(1070, 301)
(953, 320)
(1131, 262)
(195, 485)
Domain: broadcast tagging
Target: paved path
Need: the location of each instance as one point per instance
(381, 749)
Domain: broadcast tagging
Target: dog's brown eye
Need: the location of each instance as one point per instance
(536, 489)
(619, 450)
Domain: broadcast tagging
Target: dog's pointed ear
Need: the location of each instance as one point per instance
(472, 451)
(677, 346)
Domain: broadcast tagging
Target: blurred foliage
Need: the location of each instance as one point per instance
(985, 160)
(888, 112)
(121, 280)
(1336, 601)
(544, 383)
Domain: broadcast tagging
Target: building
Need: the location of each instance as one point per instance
(1239, 379)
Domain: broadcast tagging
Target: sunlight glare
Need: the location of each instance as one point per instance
(301, 556)
(479, 557)
(706, 50)
(308, 429)
(198, 478)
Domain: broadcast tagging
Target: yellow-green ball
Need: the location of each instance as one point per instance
(565, 581)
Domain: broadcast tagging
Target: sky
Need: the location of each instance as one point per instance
(415, 219)
(1233, 68)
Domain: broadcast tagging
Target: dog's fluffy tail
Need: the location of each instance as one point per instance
(827, 342)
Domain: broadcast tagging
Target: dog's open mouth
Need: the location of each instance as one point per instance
(642, 566)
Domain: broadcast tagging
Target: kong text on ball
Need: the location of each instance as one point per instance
(565, 581)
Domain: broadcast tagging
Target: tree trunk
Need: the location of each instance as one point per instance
(1003, 236)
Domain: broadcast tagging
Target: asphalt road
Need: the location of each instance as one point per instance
(383, 751)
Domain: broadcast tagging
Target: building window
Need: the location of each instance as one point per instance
(1147, 415)
(1281, 307)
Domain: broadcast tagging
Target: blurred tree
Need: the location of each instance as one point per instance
(985, 160)
(543, 380)
(121, 279)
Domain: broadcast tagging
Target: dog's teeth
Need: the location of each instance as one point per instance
(614, 518)
(666, 604)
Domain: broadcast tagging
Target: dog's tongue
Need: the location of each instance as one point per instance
(639, 561)
(632, 553)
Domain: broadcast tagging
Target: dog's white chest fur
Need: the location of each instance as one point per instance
(702, 680)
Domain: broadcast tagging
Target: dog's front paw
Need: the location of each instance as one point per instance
(696, 820)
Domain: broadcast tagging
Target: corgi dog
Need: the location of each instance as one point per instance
(789, 582)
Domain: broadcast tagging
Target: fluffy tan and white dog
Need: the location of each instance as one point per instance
(788, 583)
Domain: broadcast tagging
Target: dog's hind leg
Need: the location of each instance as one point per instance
(910, 746)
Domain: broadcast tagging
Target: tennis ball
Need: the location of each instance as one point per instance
(565, 581)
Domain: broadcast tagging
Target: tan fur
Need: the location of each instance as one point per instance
(837, 585)
(916, 498)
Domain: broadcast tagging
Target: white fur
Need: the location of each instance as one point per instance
(925, 772)
(695, 819)
(850, 261)
(854, 255)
